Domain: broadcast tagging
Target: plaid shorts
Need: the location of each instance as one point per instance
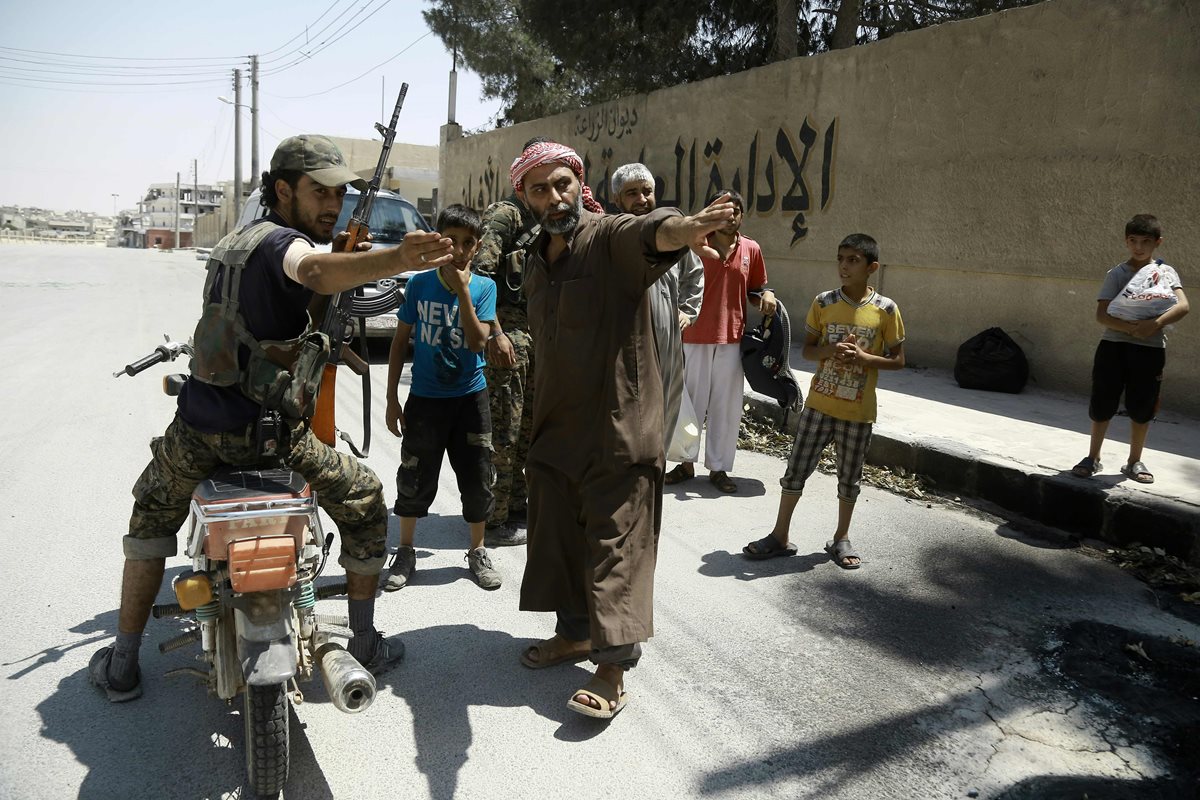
(816, 431)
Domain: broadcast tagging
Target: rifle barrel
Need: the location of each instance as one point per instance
(362, 211)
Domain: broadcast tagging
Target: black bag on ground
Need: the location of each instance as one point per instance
(992, 361)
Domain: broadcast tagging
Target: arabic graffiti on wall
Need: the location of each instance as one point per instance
(789, 171)
(614, 120)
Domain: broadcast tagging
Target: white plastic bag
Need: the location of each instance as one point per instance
(685, 441)
(1147, 295)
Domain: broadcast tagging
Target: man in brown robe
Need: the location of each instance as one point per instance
(595, 464)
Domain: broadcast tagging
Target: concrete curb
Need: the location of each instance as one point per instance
(1112, 514)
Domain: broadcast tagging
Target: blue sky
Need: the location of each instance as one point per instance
(64, 145)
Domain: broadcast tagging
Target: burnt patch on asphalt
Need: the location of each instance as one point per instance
(1148, 688)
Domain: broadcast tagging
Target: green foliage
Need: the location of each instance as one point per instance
(543, 57)
(883, 18)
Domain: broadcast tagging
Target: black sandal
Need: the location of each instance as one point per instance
(768, 547)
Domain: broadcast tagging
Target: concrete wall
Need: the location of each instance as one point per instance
(210, 228)
(996, 160)
(164, 238)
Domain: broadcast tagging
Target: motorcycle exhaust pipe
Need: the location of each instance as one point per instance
(348, 683)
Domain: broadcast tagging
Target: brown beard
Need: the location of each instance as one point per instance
(300, 226)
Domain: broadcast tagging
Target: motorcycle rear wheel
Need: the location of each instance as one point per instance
(266, 721)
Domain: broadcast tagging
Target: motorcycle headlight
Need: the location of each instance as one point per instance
(192, 590)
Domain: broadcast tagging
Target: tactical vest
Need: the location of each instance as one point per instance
(281, 376)
(512, 273)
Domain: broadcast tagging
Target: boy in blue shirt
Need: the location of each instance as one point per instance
(447, 312)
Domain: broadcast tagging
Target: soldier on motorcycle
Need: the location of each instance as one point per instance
(226, 397)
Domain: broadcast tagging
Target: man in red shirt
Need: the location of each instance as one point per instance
(712, 345)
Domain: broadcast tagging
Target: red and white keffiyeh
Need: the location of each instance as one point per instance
(542, 153)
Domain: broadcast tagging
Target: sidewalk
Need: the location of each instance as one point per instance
(1017, 451)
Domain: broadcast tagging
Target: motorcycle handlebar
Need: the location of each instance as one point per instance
(168, 351)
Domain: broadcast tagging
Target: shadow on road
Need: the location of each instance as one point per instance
(979, 613)
(450, 669)
(176, 735)
(701, 487)
(724, 564)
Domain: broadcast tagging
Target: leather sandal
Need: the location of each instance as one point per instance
(722, 481)
(1138, 472)
(678, 475)
(605, 695)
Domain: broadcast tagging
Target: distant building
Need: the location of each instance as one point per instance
(21, 223)
(153, 225)
(12, 219)
(68, 227)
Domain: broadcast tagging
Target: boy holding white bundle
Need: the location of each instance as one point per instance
(1137, 301)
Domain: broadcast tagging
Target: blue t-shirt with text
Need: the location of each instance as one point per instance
(442, 365)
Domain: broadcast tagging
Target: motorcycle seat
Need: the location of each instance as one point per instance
(231, 483)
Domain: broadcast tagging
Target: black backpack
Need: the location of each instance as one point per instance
(765, 351)
(992, 361)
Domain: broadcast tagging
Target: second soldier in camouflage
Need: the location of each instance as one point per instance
(510, 364)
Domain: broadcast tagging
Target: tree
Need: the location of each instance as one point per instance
(883, 18)
(845, 31)
(785, 33)
(543, 57)
(513, 64)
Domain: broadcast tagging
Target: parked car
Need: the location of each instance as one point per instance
(391, 218)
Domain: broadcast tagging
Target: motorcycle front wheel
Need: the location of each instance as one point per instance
(266, 720)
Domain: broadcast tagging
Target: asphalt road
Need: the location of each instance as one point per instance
(936, 670)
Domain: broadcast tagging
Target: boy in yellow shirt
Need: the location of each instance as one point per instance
(853, 332)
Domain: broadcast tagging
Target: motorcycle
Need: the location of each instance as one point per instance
(257, 547)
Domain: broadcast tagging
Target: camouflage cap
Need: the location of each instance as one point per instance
(318, 158)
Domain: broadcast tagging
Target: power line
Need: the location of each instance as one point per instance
(310, 36)
(92, 71)
(80, 64)
(360, 77)
(276, 116)
(325, 45)
(133, 89)
(305, 31)
(54, 74)
(49, 63)
(108, 83)
(121, 58)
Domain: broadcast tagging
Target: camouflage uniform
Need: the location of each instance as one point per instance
(184, 455)
(510, 390)
(346, 489)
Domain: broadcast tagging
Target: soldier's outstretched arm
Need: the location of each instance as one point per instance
(330, 273)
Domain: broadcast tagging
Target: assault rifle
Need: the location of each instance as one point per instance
(340, 313)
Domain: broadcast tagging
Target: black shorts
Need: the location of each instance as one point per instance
(460, 427)
(1132, 369)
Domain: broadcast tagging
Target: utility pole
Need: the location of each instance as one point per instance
(254, 174)
(176, 212)
(453, 87)
(195, 197)
(237, 144)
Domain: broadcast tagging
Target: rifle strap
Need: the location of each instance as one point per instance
(364, 352)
